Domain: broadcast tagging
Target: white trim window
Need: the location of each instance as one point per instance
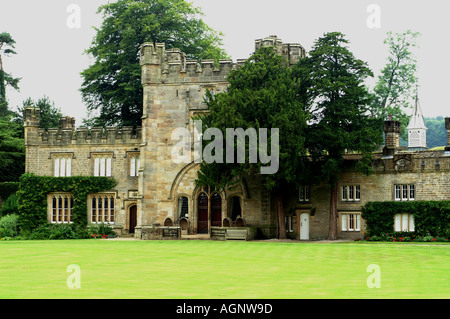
(289, 221)
(62, 165)
(135, 164)
(102, 208)
(405, 192)
(351, 193)
(304, 194)
(61, 208)
(351, 221)
(404, 223)
(102, 165)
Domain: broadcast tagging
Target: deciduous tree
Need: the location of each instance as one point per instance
(112, 84)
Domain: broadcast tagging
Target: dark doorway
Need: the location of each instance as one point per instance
(133, 218)
(216, 210)
(202, 224)
(235, 208)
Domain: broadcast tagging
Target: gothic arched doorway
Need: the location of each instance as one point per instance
(202, 222)
(216, 210)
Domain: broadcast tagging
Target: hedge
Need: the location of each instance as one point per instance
(33, 191)
(430, 217)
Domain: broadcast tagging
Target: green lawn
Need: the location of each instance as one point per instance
(225, 270)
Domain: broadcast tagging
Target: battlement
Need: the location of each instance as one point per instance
(171, 66)
(95, 135)
(67, 134)
(293, 52)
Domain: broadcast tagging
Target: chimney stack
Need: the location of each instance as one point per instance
(392, 137)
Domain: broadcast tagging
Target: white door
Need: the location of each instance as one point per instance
(304, 226)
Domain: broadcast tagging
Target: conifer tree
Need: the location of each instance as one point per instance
(339, 104)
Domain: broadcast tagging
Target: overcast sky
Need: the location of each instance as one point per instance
(50, 47)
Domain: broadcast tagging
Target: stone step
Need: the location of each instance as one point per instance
(196, 236)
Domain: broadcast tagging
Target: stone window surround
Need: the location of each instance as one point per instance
(400, 190)
(350, 221)
(56, 158)
(109, 156)
(351, 193)
(62, 211)
(109, 212)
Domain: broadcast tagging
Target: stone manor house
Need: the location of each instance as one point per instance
(156, 197)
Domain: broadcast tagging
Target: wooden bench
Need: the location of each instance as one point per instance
(237, 234)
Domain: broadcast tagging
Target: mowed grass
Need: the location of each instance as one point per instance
(221, 270)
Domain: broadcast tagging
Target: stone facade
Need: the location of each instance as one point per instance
(155, 195)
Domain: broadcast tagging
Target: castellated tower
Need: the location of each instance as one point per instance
(174, 92)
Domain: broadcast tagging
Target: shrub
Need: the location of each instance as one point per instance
(10, 206)
(101, 230)
(54, 231)
(8, 226)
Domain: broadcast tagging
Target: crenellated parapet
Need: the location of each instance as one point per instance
(166, 66)
(83, 135)
(67, 134)
(293, 52)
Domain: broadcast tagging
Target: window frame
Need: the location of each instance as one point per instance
(62, 164)
(289, 223)
(404, 192)
(401, 219)
(104, 203)
(60, 208)
(352, 221)
(304, 193)
(134, 164)
(351, 193)
(102, 164)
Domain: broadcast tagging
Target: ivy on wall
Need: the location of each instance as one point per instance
(430, 217)
(33, 191)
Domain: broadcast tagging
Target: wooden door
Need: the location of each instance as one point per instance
(216, 210)
(202, 222)
(133, 218)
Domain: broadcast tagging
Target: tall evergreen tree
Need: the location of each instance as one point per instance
(263, 93)
(7, 46)
(49, 113)
(339, 104)
(12, 150)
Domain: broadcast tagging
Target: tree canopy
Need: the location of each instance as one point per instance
(49, 113)
(340, 108)
(262, 94)
(397, 83)
(112, 84)
(7, 46)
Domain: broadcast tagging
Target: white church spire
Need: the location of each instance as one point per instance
(417, 130)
